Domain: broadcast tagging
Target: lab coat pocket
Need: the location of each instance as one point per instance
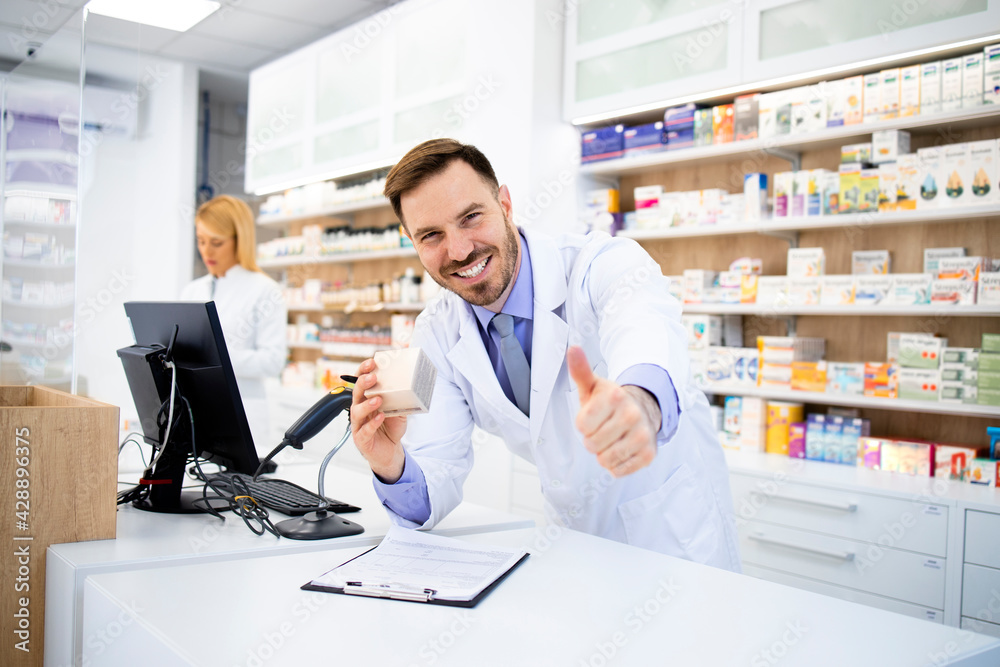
(675, 519)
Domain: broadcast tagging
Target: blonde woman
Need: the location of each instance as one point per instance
(250, 304)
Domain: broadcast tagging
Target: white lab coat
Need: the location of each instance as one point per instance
(254, 321)
(608, 296)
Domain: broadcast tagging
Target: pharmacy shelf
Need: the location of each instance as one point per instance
(29, 264)
(40, 190)
(396, 306)
(341, 258)
(38, 306)
(40, 225)
(880, 310)
(43, 155)
(35, 345)
(960, 118)
(354, 350)
(797, 224)
(852, 401)
(338, 209)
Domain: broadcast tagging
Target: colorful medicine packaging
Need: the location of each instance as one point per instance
(603, 144)
(642, 139)
(870, 262)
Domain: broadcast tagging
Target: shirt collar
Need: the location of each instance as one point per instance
(232, 271)
(520, 301)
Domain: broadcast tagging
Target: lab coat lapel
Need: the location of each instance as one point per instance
(550, 332)
(470, 359)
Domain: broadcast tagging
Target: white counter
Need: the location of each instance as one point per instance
(578, 600)
(148, 540)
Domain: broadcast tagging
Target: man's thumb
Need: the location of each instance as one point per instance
(579, 370)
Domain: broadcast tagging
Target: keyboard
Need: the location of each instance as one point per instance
(280, 495)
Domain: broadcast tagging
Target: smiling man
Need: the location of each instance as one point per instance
(570, 349)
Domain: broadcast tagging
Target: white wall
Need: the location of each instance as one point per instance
(136, 231)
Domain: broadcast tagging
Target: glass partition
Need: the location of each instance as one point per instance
(40, 180)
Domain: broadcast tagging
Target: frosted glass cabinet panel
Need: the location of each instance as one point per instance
(809, 24)
(790, 36)
(344, 83)
(649, 64)
(281, 95)
(347, 142)
(599, 18)
(620, 55)
(277, 162)
(423, 63)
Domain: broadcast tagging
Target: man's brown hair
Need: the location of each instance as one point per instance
(431, 158)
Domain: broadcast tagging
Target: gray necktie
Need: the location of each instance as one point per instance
(514, 361)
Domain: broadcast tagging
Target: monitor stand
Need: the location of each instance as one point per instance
(165, 493)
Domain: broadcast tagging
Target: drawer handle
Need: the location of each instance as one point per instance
(844, 507)
(840, 555)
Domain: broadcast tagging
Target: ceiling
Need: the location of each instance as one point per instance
(241, 36)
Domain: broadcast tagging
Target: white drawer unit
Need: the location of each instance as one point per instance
(981, 593)
(851, 595)
(902, 575)
(888, 522)
(983, 628)
(982, 538)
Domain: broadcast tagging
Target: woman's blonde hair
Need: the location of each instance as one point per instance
(231, 218)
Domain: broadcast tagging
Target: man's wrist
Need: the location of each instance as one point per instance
(648, 404)
(391, 473)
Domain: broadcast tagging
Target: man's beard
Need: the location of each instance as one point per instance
(487, 292)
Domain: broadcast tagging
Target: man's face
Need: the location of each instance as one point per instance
(463, 235)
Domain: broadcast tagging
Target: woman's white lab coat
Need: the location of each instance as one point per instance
(254, 321)
(608, 296)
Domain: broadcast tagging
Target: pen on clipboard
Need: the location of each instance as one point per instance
(395, 591)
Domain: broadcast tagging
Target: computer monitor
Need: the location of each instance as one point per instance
(205, 377)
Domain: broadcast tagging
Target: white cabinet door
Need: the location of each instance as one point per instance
(982, 538)
(981, 593)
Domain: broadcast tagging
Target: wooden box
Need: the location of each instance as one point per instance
(58, 475)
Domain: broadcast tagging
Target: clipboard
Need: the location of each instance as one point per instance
(406, 594)
(413, 566)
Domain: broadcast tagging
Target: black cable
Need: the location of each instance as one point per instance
(242, 504)
(128, 439)
(271, 455)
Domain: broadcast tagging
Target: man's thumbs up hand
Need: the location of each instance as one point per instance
(618, 424)
(579, 370)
